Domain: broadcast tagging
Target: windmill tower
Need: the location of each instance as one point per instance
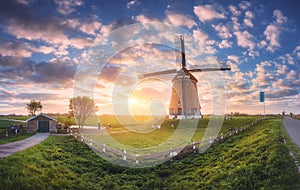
(184, 101)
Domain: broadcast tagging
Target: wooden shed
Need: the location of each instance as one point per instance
(42, 123)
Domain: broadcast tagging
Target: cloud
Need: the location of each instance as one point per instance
(90, 27)
(223, 31)
(244, 39)
(81, 43)
(4, 94)
(273, 31)
(132, 3)
(272, 34)
(282, 70)
(110, 73)
(248, 16)
(205, 44)
(236, 24)
(234, 10)
(24, 2)
(38, 96)
(200, 35)
(280, 18)
(278, 94)
(244, 5)
(292, 75)
(260, 81)
(67, 6)
(234, 58)
(208, 13)
(225, 44)
(47, 31)
(144, 19)
(22, 71)
(15, 48)
(297, 51)
(55, 72)
(72, 23)
(180, 20)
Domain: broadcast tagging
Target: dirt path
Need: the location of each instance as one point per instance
(14, 147)
(293, 128)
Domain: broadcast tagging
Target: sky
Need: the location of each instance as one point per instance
(47, 47)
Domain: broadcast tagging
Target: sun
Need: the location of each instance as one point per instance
(132, 101)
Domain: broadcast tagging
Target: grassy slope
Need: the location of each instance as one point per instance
(5, 124)
(138, 140)
(14, 138)
(254, 159)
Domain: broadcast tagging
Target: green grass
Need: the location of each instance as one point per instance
(23, 118)
(254, 159)
(6, 124)
(14, 138)
(144, 140)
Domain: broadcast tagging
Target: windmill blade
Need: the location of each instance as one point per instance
(157, 73)
(209, 69)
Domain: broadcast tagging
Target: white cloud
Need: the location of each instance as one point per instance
(16, 49)
(144, 19)
(207, 13)
(233, 66)
(297, 51)
(282, 70)
(48, 33)
(248, 18)
(45, 49)
(222, 30)
(81, 43)
(180, 20)
(244, 39)
(225, 44)
(260, 79)
(248, 22)
(291, 75)
(72, 23)
(67, 6)
(236, 24)
(205, 44)
(249, 14)
(90, 27)
(132, 3)
(273, 31)
(290, 59)
(262, 44)
(272, 34)
(24, 2)
(234, 58)
(200, 35)
(234, 10)
(244, 5)
(280, 19)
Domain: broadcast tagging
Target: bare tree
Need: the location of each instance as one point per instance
(33, 107)
(82, 108)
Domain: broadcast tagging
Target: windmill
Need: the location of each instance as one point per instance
(184, 101)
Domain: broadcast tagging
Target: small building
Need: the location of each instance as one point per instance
(42, 123)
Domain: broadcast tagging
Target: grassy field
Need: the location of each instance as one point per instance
(254, 159)
(157, 136)
(14, 138)
(5, 124)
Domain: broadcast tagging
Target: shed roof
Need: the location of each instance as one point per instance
(41, 114)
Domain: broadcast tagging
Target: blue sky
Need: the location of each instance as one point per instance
(43, 42)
